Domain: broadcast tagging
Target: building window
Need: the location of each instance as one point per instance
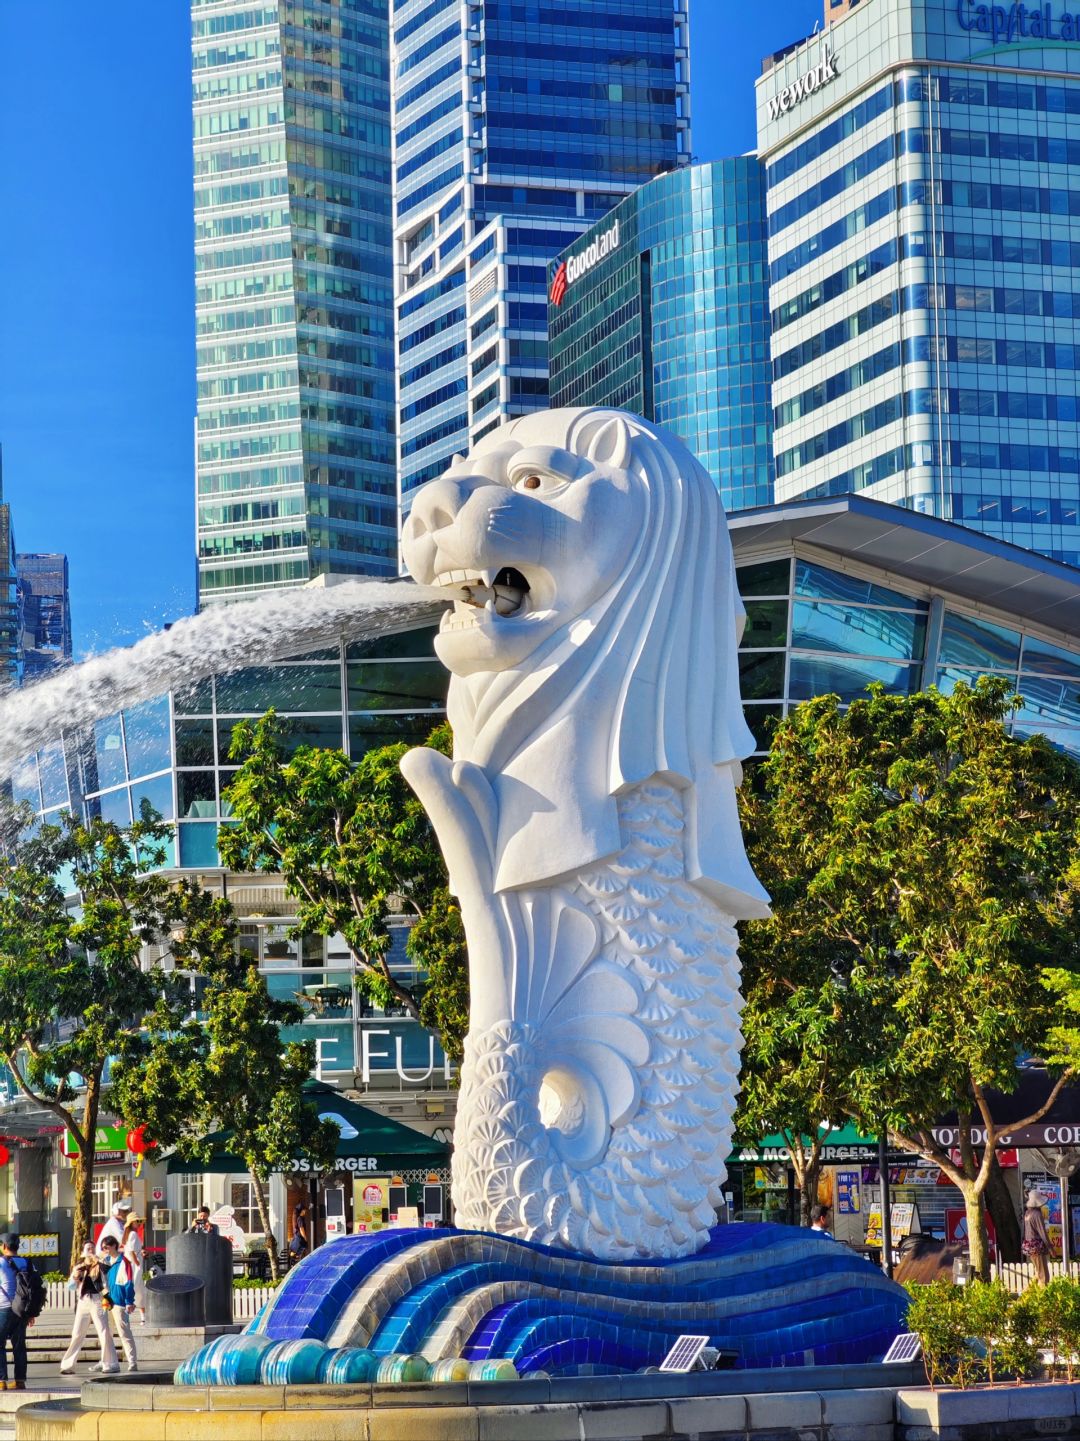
(106, 1188)
(245, 1210)
(191, 1198)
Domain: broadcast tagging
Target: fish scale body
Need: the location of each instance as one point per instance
(655, 1187)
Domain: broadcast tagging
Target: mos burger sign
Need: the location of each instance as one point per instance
(570, 270)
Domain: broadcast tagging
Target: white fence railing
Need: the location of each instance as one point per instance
(1018, 1275)
(248, 1301)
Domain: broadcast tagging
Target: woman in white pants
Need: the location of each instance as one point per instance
(88, 1282)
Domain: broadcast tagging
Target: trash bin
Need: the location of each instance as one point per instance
(175, 1300)
(194, 1253)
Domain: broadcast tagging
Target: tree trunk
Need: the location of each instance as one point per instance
(84, 1169)
(978, 1250)
(259, 1187)
(1002, 1211)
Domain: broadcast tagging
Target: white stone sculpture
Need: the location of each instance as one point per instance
(589, 825)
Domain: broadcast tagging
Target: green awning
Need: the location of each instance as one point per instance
(842, 1144)
(370, 1144)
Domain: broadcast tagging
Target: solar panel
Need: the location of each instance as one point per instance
(684, 1353)
(905, 1347)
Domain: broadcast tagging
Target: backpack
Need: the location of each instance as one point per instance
(30, 1295)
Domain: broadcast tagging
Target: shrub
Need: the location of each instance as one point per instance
(249, 1283)
(48, 1276)
(936, 1313)
(987, 1309)
(1056, 1308)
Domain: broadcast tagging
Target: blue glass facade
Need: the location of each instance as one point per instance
(924, 193)
(516, 125)
(172, 750)
(672, 322)
(294, 316)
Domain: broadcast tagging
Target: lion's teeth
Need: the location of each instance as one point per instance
(488, 577)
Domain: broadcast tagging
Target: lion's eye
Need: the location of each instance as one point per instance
(545, 484)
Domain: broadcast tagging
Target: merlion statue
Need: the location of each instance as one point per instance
(589, 825)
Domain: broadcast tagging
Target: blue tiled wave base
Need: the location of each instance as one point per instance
(775, 1295)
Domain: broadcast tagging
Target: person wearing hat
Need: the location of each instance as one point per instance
(114, 1226)
(1036, 1242)
(12, 1327)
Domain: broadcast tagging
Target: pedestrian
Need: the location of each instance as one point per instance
(821, 1220)
(131, 1247)
(114, 1226)
(300, 1243)
(120, 1290)
(1036, 1242)
(13, 1322)
(202, 1223)
(89, 1283)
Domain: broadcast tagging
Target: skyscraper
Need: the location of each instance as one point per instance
(46, 607)
(516, 126)
(662, 308)
(11, 661)
(294, 441)
(923, 163)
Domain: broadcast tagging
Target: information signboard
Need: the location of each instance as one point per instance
(848, 1193)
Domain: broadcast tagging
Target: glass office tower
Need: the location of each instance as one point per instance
(46, 602)
(294, 318)
(516, 125)
(662, 308)
(923, 163)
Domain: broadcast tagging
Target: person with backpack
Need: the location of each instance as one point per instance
(88, 1281)
(120, 1289)
(22, 1298)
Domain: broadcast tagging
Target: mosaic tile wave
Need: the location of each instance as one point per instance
(772, 1295)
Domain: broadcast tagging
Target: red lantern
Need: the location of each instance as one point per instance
(137, 1143)
(5, 1154)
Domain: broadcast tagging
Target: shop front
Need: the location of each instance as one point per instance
(385, 1173)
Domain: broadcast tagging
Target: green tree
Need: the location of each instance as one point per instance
(353, 845)
(988, 1308)
(926, 854)
(226, 1080)
(81, 910)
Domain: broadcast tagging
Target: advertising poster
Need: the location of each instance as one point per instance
(848, 1192)
(956, 1230)
(873, 1226)
(370, 1199)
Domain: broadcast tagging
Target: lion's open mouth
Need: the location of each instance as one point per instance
(485, 592)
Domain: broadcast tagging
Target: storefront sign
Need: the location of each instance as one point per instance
(369, 1054)
(111, 1146)
(791, 95)
(343, 1163)
(1006, 24)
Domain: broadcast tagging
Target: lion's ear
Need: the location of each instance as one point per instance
(605, 440)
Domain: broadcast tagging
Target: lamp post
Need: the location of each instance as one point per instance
(886, 1200)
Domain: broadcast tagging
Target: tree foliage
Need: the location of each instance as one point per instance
(921, 862)
(225, 1080)
(75, 987)
(353, 843)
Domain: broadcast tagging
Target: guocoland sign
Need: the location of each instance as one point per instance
(1007, 24)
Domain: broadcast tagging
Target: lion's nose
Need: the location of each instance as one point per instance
(438, 503)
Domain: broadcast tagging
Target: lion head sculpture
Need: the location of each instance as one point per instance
(593, 640)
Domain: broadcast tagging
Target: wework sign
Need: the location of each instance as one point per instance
(807, 84)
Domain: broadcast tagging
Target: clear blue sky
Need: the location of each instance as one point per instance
(97, 363)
